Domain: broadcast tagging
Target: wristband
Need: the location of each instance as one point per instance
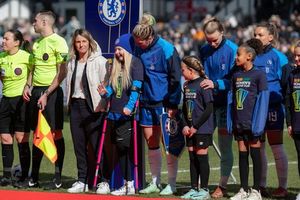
(46, 92)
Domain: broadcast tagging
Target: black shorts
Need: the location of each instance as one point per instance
(13, 115)
(54, 111)
(296, 135)
(121, 132)
(246, 136)
(199, 141)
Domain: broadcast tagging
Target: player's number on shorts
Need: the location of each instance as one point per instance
(273, 116)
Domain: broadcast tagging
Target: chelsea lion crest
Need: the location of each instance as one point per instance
(111, 12)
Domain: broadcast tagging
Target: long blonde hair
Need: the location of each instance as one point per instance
(121, 69)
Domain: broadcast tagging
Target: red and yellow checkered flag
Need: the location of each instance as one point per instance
(43, 138)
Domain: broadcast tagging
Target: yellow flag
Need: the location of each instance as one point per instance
(43, 138)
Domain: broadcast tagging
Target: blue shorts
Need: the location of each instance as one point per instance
(150, 116)
(275, 120)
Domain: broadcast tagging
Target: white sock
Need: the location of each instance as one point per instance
(154, 157)
(130, 184)
(264, 165)
(172, 164)
(281, 163)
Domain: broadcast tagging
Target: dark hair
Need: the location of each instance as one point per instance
(212, 25)
(253, 46)
(18, 36)
(194, 63)
(272, 29)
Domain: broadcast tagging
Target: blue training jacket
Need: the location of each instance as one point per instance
(217, 63)
(161, 86)
(273, 63)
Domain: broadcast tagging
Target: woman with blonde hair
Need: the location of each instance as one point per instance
(217, 57)
(125, 84)
(86, 69)
(161, 90)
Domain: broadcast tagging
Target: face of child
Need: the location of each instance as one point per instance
(119, 54)
(263, 35)
(297, 56)
(186, 72)
(242, 57)
(214, 39)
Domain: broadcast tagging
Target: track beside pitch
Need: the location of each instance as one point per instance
(30, 195)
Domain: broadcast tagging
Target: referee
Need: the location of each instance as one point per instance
(14, 67)
(50, 53)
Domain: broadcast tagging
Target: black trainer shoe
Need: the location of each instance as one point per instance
(22, 183)
(54, 185)
(264, 192)
(33, 184)
(5, 181)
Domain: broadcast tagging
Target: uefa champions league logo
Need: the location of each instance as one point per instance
(111, 12)
(241, 95)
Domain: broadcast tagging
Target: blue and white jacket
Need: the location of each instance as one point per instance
(275, 64)
(218, 63)
(161, 86)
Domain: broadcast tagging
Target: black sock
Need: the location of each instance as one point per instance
(37, 156)
(194, 169)
(297, 145)
(256, 160)
(60, 146)
(244, 169)
(24, 156)
(204, 170)
(7, 159)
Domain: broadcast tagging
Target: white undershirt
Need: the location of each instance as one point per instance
(78, 89)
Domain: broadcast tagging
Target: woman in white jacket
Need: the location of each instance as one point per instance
(86, 70)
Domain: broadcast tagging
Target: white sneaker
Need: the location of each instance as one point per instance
(125, 190)
(78, 187)
(240, 195)
(103, 188)
(298, 197)
(168, 190)
(254, 195)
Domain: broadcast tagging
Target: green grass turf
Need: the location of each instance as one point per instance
(183, 179)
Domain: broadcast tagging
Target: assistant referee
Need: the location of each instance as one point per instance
(50, 54)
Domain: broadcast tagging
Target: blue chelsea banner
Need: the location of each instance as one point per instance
(108, 19)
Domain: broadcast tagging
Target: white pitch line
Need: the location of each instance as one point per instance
(218, 168)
